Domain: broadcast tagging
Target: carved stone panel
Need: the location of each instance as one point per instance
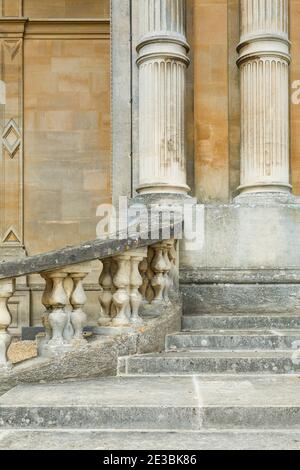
(11, 8)
(11, 133)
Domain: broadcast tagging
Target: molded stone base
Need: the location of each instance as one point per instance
(250, 259)
(241, 298)
(253, 233)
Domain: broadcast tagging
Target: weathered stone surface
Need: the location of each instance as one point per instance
(142, 440)
(235, 340)
(257, 236)
(88, 251)
(121, 98)
(68, 256)
(238, 298)
(211, 362)
(245, 322)
(174, 403)
(156, 329)
(96, 359)
(231, 344)
(198, 275)
(99, 357)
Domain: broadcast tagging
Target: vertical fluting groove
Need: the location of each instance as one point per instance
(262, 15)
(162, 15)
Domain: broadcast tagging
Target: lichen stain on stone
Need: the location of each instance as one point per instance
(171, 145)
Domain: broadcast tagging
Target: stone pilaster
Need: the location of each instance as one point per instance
(11, 128)
(264, 76)
(162, 61)
(11, 8)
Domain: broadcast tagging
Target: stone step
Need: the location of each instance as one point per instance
(240, 298)
(160, 403)
(79, 439)
(234, 340)
(240, 322)
(214, 362)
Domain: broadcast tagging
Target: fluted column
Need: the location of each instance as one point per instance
(162, 63)
(264, 75)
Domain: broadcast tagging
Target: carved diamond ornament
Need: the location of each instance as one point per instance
(11, 138)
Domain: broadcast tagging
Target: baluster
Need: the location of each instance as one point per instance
(7, 288)
(173, 259)
(143, 267)
(105, 297)
(121, 297)
(78, 300)
(167, 279)
(150, 275)
(45, 315)
(113, 270)
(68, 284)
(158, 265)
(58, 317)
(136, 282)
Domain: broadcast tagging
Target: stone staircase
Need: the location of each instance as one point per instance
(225, 344)
(224, 382)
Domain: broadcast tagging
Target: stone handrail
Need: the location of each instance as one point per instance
(133, 270)
(88, 251)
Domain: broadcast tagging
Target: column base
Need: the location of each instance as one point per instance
(164, 188)
(160, 198)
(265, 192)
(275, 187)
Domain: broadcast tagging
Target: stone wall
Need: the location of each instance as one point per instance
(55, 122)
(66, 8)
(295, 108)
(216, 98)
(211, 100)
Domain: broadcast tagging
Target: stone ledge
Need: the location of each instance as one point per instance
(239, 276)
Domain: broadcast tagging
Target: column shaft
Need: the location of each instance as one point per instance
(162, 65)
(264, 76)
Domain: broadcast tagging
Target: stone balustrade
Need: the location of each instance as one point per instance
(64, 299)
(128, 279)
(133, 278)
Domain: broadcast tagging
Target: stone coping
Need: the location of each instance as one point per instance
(88, 251)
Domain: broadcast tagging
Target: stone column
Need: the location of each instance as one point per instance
(162, 61)
(264, 76)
